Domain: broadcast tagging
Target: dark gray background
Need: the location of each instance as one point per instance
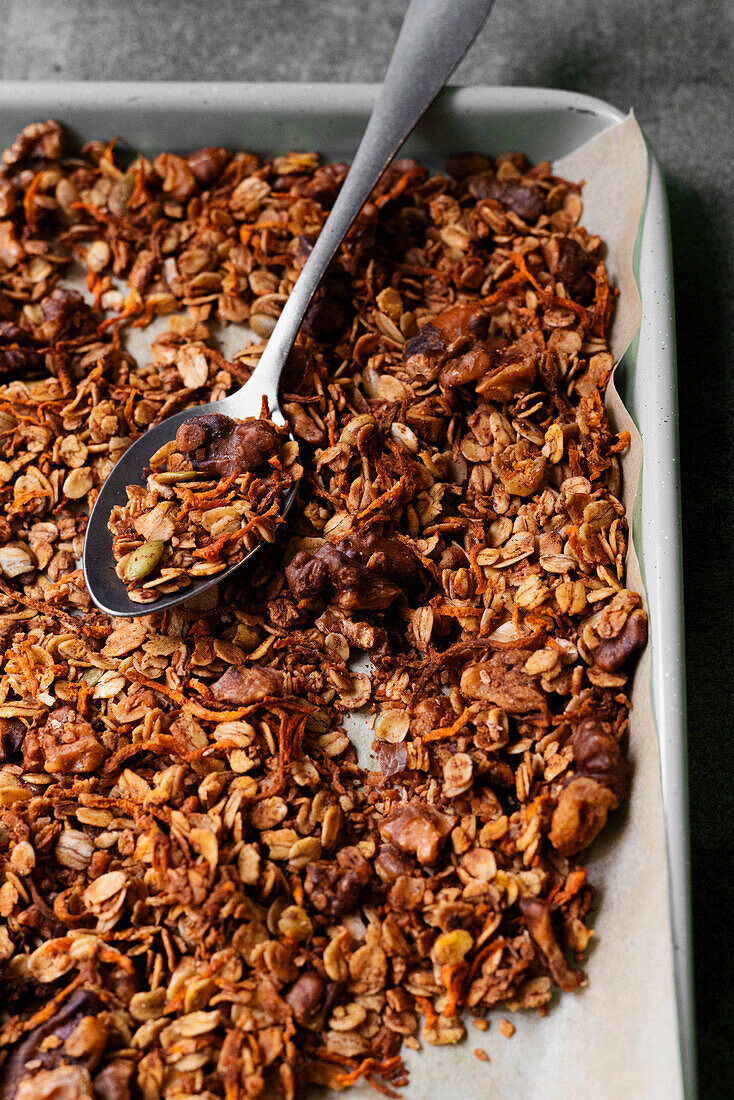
(672, 63)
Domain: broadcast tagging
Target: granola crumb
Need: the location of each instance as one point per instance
(481, 1024)
(481, 1054)
(507, 1029)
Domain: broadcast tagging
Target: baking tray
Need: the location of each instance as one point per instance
(546, 124)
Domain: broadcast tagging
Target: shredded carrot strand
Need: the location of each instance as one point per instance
(367, 1068)
(107, 155)
(477, 570)
(189, 704)
(397, 189)
(441, 732)
(207, 553)
(459, 612)
(519, 260)
(138, 195)
(486, 951)
(505, 290)
(29, 201)
(428, 1011)
(452, 977)
(133, 305)
(388, 497)
(246, 231)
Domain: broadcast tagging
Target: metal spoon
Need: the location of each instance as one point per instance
(434, 36)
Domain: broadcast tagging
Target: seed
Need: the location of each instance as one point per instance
(262, 325)
(159, 458)
(355, 426)
(15, 560)
(450, 948)
(177, 476)
(143, 560)
(295, 923)
(78, 483)
(98, 255)
(390, 302)
(404, 437)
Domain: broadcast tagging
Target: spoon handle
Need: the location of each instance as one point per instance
(433, 38)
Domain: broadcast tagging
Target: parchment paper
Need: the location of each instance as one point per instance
(616, 1037)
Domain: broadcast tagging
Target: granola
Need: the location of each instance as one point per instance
(203, 891)
(212, 494)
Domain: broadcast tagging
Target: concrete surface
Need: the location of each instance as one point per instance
(673, 64)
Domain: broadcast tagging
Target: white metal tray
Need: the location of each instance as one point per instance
(545, 124)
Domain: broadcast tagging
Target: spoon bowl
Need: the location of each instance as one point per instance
(107, 589)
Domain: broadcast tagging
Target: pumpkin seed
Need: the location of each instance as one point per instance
(175, 476)
(143, 560)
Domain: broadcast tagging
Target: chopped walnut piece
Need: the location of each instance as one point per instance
(418, 829)
(360, 573)
(65, 744)
(580, 815)
(242, 686)
(503, 681)
(597, 754)
(46, 1046)
(63, 1083)
(333, 887)
(612, 654)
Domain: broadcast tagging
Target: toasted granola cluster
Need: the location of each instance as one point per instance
(203, 892)
(212, 494)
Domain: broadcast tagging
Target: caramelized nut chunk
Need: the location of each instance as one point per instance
(362, 573)
(44, 1047)
(612, 654)
(306, 995)
(569, 263)
(502, 681)
(65, 744)
(423, 354)
(598, 755)
(417, 828)
(12, 734)
(62, 1083)
(39, 141)
(430, 713)
(207, 164)
(231, 446)
(580, 815)
(334, 886)
(524, 201)
(242, 686)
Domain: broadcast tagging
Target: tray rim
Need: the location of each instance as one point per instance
(652, 401)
